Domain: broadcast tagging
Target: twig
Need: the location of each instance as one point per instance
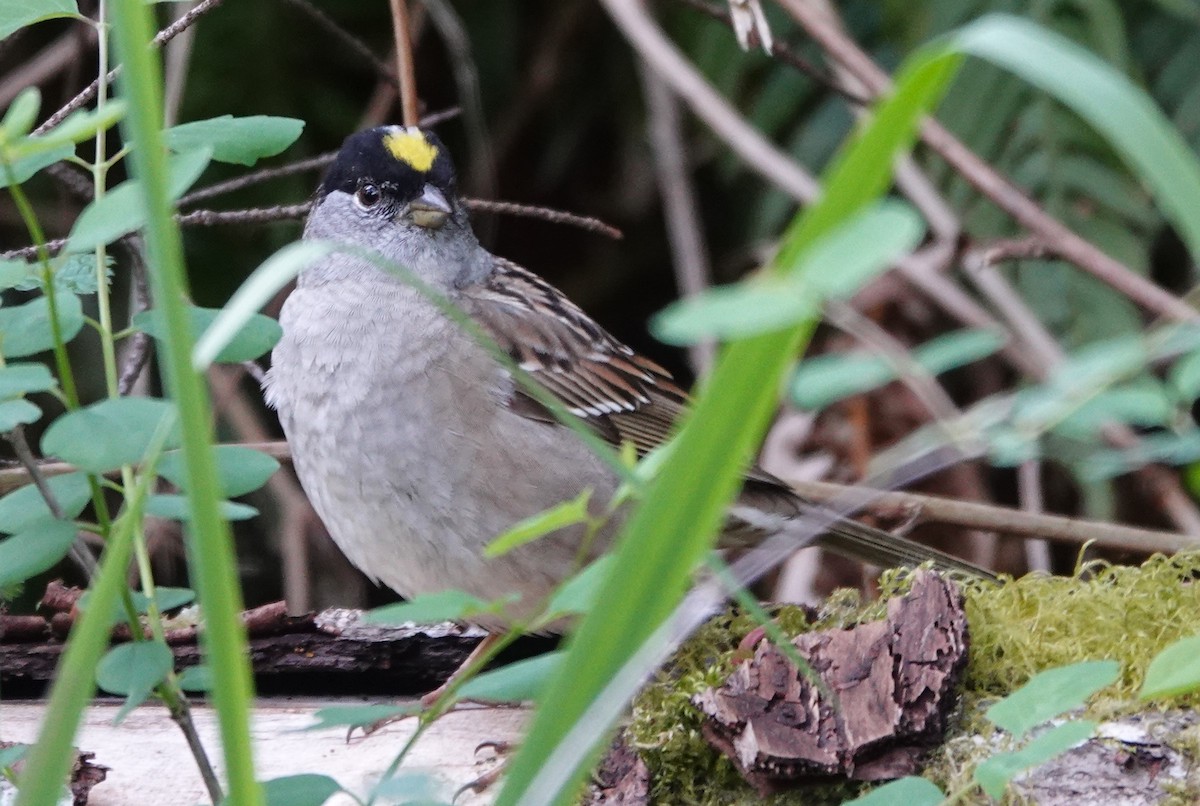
(990, 182)
(257, 215)
(546, 214)
(747, 142)
(971, 515)
(292, 212)
(689, 253)
(162, 37)
(137, 351)
(402, 30)
(79, 551)
(1029, 493)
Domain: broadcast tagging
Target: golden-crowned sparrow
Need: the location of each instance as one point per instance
(415, 446)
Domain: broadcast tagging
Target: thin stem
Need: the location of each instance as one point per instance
(65, 377)
(402, 29)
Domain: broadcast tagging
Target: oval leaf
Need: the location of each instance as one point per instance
(257, 335)
(1174, 671)
(306, 789)
(1051, 693)
(993, 774)
(37, 549)
(25, 329)
(240, 469)
(23, 507)
(134, 669)
(14, 16)
(22, 379)
(17, 412)
(910, 791)
(237, 140)
(835, 266)
(110, 433)
(175, 507)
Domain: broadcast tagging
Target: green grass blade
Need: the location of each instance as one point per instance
(1101, 95)
(673, 528)
(210, 545)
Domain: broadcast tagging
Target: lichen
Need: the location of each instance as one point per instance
(1018, 628)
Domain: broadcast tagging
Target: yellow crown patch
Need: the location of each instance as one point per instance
(410, 146)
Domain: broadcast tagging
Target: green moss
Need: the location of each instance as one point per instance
(1018, 628)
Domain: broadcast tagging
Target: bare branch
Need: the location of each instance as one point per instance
(402, 31)
(162, 37)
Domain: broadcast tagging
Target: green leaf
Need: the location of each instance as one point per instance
(175, 507)
(14, 272)
(412, 789)
(134, 669)
(239, 140)
(241, 470)
(259, 288)
(25, 329)
(993, 774)
(829, 378)
(257, 334)
(957, 349)
(196, 678)
(568, 513)
(22, 113)
(73, 273)
(23, 379)
(429, 608)
(16, 15)
(358, 716)
(837, 265)
(1174, 671)
(910, 791)
(38, 548)
(578, 594)
(17, 412)
(1106, 99)
(122, 210)
(25, 167)
(110, 433)
(306, 789)
(1184, 377)
(1051, 693)
(168, 599)
(1144, 403)
(517, 682)
(11, 755)
(25, 506)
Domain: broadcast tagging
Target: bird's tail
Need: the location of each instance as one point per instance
(877, 547)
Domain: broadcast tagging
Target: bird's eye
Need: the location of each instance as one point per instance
(368, 195)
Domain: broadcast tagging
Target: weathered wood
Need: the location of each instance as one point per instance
(402, 660)
(885, 689)
(623, 779)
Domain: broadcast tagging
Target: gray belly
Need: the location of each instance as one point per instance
(413, 462)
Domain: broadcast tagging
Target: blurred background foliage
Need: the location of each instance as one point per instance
(553, 113)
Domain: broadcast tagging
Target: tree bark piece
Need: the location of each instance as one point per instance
(893, 682)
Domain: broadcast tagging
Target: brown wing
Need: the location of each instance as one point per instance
(624, 396)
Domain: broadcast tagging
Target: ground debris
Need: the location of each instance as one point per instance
(893, 681)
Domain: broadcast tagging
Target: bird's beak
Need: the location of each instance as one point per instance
(431, 209)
